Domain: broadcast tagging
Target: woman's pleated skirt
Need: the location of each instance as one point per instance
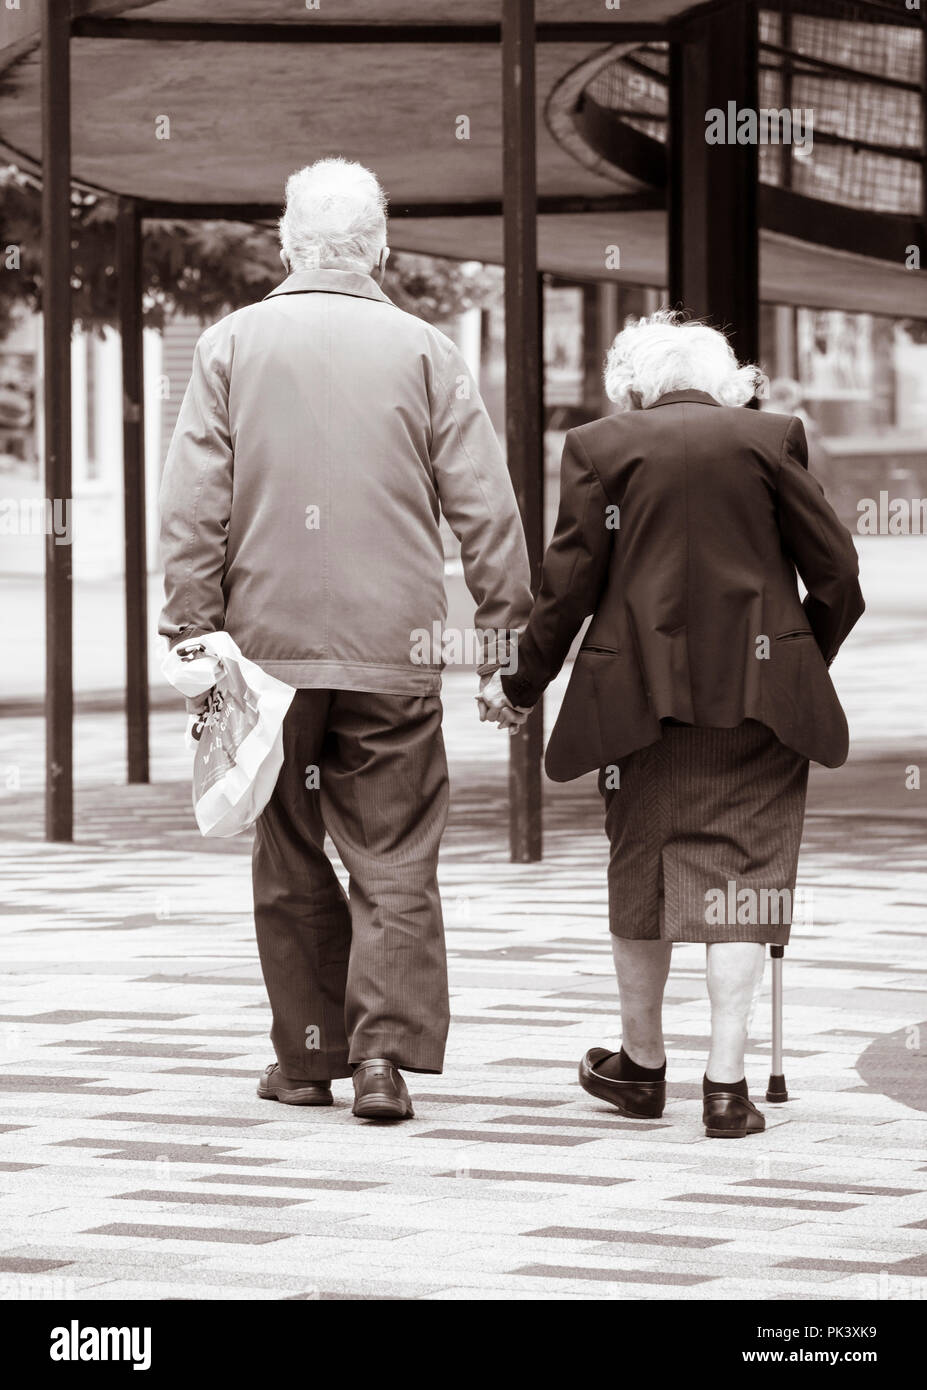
(705, 828)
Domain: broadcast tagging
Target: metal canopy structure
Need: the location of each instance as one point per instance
(384, 81)
(582, 135)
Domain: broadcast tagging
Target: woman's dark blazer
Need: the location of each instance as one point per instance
(681, 528)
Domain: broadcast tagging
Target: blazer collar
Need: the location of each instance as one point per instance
(687, 397)
(331, 282)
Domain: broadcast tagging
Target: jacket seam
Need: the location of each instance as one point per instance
(328, 522)
(201, 482)
(689, 566)
(590, 464)
(593, 473)
(460, 439)
(819, 531)
(572, 440)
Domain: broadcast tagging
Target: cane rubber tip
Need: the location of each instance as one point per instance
(776, 1091)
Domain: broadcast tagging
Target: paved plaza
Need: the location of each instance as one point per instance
(137, 1162)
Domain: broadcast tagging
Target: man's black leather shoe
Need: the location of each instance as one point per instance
(380, 1092)
(638, 1100)
(727, 1116)
(273, 1085)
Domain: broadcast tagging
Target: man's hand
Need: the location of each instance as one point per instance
(495, 707)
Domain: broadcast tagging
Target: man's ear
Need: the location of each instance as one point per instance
(286, 264)
(379, 270)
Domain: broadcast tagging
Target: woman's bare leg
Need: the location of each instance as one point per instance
(642, 968)
(734, 970)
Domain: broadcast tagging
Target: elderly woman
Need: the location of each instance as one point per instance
(701, 688)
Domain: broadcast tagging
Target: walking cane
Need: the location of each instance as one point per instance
(776, 1091)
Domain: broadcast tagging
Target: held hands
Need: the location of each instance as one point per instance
(495, 707)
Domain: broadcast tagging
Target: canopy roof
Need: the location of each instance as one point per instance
(244, 115)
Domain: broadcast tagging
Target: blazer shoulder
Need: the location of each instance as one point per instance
(762, 431)
(771, 424)
(599, 437)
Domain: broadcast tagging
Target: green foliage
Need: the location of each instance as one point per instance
(437, 289)
(201, 269)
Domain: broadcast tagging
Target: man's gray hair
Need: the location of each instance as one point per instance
(335, 212)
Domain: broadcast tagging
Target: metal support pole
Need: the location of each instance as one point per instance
(56, 329)
(129, 292)
(714, 188)
(523, 376)
(776, 1091)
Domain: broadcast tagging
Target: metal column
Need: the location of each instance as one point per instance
(523, 376)
(56, 327)
(714, 189)
(129, 293)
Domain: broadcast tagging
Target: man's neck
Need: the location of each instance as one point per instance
(353, 267)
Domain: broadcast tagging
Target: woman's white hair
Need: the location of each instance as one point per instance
(335, 211)
(667, 352)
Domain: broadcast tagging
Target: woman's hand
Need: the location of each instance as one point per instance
(495, 707)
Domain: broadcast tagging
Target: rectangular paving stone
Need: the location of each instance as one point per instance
(12, 1081)
(229, 1199)
(112, 1048)
(274, 1180)
(538, 1104)
(250, 1072)
(24, 1264)
(65, 1090)
(836, 1266)
(582, 1233)
(563, 1140)
(614, 1276)
(576, 1012)
(206, 1121)
(867, 1033)
(732, 1199)
(330, 1296)
(193, 980)
(849, 1188)
(533, 1062)
(483, 1022)
(214, 1234)
(200, 1032)
(64, 1016)
(501, 1175)
(561, 1121)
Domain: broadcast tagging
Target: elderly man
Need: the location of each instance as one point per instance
(323, 433)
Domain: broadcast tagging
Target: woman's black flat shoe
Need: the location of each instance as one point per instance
(727, 1116)
(638, 1100)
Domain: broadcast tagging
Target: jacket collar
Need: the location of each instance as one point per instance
(684, 397)
(353, 282)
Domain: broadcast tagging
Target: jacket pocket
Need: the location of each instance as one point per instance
(603, 651)
(796, 632)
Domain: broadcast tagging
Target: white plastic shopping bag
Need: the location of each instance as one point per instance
(237, 738)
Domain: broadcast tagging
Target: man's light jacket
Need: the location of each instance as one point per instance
(323, 433)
